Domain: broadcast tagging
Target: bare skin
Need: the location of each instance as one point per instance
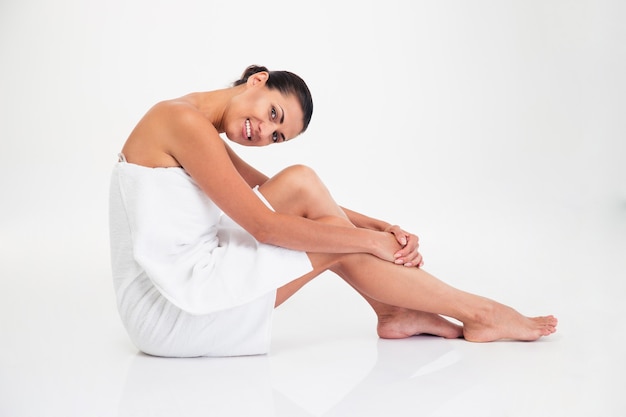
(407, 301)
(400, 323)
(380, 261)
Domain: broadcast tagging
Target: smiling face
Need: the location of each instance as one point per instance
(260, 116)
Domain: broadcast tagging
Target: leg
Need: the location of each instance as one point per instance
(412, 288)
(399, 323)
(297, 190)
(393, 322)
(390, 289)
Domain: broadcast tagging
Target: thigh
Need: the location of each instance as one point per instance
(299, 191)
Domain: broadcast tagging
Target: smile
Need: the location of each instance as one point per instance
(248, 130)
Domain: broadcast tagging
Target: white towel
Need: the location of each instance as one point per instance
(175, 256)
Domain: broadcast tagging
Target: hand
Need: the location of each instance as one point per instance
(386, 246)
(408, 255)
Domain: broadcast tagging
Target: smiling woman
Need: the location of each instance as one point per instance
(288, 84)
(204, 246)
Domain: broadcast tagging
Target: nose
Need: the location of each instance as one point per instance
(267, 129)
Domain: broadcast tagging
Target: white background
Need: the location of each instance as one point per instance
(494, 130)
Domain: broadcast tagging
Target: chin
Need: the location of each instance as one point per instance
(227, 136)
(238, 142)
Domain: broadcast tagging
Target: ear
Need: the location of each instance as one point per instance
(258, 79)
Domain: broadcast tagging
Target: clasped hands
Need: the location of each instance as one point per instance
(408, 255)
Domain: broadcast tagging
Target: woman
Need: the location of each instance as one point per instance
(204, 246)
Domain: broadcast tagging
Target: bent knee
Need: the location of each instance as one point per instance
(300, 177)
(301, 172)
(298, 190)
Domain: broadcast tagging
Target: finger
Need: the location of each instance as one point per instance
(410, 259)
(418, 261)
(403, 260)
(401, 236)
(412, 262)
(411, 247)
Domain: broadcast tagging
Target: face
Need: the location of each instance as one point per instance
(260, 116)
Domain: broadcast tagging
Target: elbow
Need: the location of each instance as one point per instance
(263, 234)
(267, 229)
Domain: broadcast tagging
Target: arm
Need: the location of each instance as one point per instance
(250, 174)
(196, 145)
(408, 255)
(363, 221)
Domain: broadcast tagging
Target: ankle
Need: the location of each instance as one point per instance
(389, 314)
(483, 313)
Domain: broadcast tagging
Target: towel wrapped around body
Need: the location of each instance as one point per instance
(189, 281)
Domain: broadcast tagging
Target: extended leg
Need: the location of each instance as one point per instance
(412, 288)
(394, 290)
(399, 323)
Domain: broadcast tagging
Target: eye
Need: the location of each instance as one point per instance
(275, 137)
(273, 113)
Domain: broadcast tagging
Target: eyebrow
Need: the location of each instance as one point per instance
(282, 119)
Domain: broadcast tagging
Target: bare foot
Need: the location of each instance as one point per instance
(402, 323)
(498, 321)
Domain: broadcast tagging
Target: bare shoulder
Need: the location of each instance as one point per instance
(166, 128)
(173, 107)
(180, 115)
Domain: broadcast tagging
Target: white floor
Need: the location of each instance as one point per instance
(64, 352)
(495, 130)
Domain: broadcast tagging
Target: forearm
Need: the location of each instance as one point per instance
(307, 235)
(365, 222)
(250, 174)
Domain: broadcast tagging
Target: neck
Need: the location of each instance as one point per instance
(214, 104)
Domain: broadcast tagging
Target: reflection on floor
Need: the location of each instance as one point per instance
(64, 352)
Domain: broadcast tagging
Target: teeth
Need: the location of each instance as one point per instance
(248, 130)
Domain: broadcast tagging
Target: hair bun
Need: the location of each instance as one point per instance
(252, 69)
(287, 83)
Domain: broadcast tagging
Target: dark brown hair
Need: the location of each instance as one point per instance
(287, 83)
